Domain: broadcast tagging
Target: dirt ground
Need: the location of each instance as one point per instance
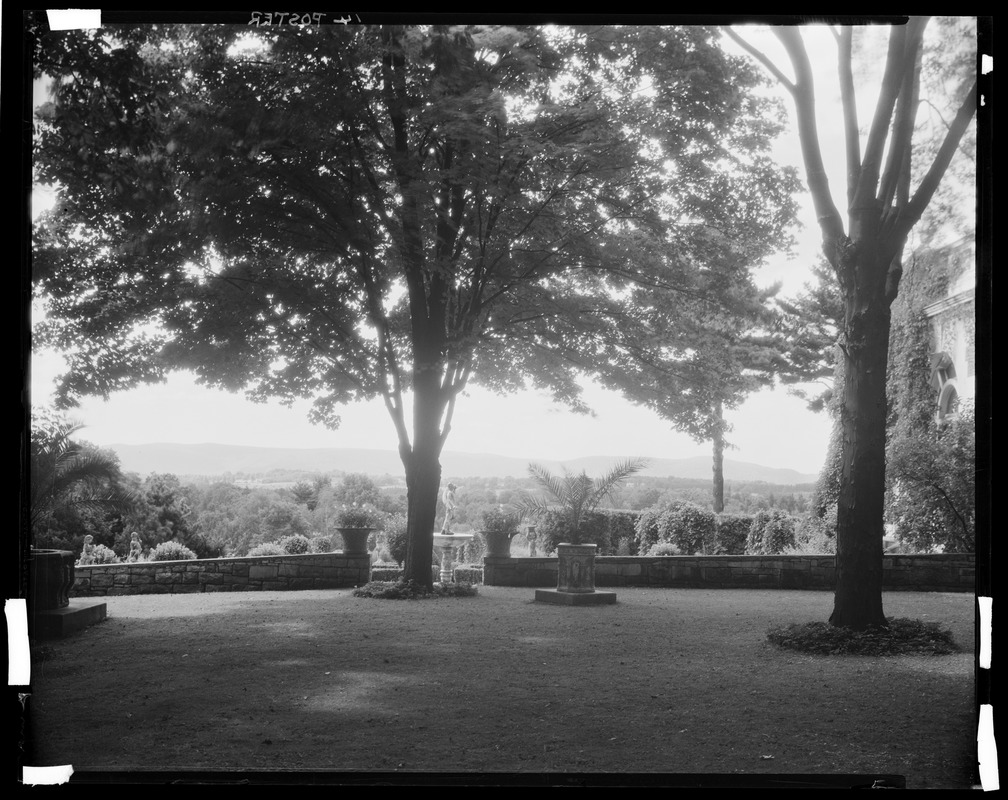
(663, 683)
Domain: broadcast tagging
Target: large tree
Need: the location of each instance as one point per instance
(348, 212)
(889, 185)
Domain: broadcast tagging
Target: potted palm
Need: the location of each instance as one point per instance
(355, 523)
(573, 497)
(498, 527)
(65, 474)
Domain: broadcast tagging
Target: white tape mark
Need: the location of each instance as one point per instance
(74, 19)
(37, 776)
(18, 649)
(985, 631)
(987, 749)
(986, 64)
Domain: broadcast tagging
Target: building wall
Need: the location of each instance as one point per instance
(953, 330)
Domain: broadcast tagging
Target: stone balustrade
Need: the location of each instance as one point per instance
(945, 572)
(264, 573)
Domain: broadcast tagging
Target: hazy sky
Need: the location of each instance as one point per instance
(771, 428)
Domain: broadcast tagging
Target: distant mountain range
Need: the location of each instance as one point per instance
(216, 459)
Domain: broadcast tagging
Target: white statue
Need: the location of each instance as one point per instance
(448, 498)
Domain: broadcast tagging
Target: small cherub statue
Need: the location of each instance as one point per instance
(136, 548)
(87, 553)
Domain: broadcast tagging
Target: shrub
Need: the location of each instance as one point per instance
(321, 544)
(267, 549)
(903, 636)
(407, 590)
(475, 549)
(104, 555)
(296, 544)
(815, 535)
(395, 535)
(386, 573)
(468, 574)
(732, 531)
(171, 551)
(664, 549)
(771, 533)
(555, 527)
(622, 532)
(686, 525)
(646, 529)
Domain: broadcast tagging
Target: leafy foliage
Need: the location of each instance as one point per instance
(321, 544)
(104, 555)
(574, 496)
(933, 500)
(731, 533)
(266, 549)
(771, 533)
(689, 527)
(295, 545)
(664, 549)
(499, 521)
(347, 212)
(396, 537)
(815, 534)
(71, 476)
(171, 551)
(471, 575)
(358, 517)
(409, 590)
(901, 637)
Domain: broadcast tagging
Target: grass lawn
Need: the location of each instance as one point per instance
(664, 683)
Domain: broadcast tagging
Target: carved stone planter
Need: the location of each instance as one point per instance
(51, 577)
(355, 540)
(576, 568)
(575, 579)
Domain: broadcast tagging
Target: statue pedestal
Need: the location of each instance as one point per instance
(575, 579)
(445, 544)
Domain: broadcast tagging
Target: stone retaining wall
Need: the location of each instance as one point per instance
(945, 572)
(309, 571)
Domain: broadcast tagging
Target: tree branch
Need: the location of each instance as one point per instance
(762, 58)
(929, 184)
(849, 102)
(804, 96)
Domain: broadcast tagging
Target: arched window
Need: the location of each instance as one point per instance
(948, 402)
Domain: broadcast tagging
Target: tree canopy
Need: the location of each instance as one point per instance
(347, 212)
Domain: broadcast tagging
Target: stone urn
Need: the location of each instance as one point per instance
(355, 540)
(51, 577)
(497, 543)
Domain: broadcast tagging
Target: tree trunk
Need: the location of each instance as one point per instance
(858, 598)
(423, 478)
(719, 459)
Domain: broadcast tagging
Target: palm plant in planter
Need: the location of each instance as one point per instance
(498, 528)
(65, 474)
(354, 524)
(575, 496)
